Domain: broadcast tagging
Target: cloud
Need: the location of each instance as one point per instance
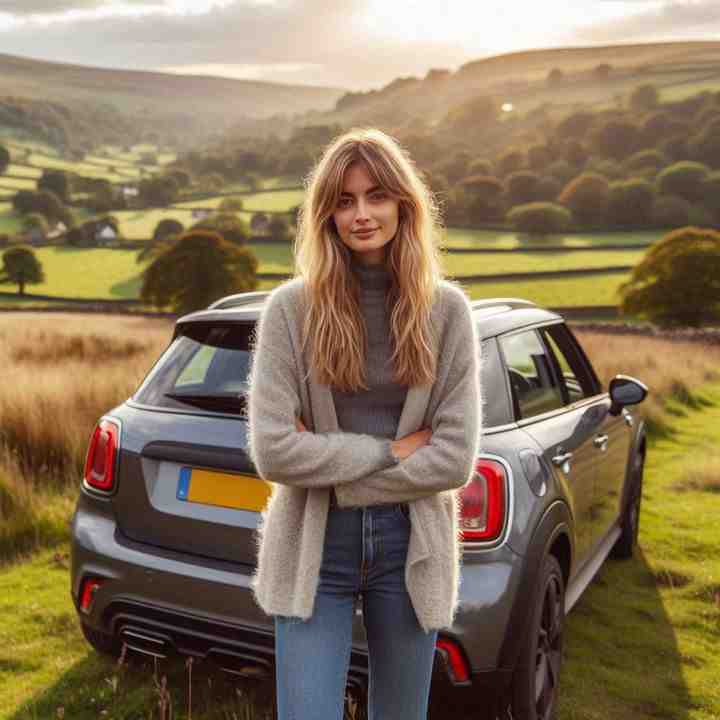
(44, 7)
(687, 19)
(332, 39)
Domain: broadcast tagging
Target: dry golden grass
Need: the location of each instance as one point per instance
(670, 369)
(61, 373)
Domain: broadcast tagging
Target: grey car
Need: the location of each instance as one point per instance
(163, 535)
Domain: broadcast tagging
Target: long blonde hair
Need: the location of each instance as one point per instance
(334, 325)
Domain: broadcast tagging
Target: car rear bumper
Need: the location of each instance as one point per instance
(161, 601)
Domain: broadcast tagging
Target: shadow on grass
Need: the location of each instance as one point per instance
(621, 652)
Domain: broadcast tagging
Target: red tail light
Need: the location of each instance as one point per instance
(101, 455)
(455, 662)
(87, 593)
(484, 500)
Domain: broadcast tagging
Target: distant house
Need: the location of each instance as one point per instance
(105, 234)
(200, 213)
(130, 191)
(57, 231)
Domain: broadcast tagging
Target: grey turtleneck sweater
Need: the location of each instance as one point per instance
(375, 411)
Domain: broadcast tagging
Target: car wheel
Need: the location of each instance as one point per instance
(534, 691)
(630, 523)
(102, 642)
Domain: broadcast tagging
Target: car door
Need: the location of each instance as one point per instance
(614, 432)
(563, 433)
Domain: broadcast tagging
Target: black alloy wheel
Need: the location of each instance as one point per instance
(535, 686)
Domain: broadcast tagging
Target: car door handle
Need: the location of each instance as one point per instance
(562, 458)
(600, 441)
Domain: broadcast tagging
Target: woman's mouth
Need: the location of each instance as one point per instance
(365, 233)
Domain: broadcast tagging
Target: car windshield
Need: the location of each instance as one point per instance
(205, 367)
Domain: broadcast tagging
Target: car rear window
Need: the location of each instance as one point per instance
(204, 368)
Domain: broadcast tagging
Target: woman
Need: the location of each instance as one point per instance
(364, 412)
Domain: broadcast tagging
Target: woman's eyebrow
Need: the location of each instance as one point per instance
(369, 190)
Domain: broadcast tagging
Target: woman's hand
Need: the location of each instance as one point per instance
(410, 443)
(299, 425)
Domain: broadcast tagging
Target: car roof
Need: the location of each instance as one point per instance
(497, 315)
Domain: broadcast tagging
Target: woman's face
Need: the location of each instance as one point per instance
(366, 216)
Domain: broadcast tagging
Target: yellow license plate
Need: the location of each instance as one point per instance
(233, 490)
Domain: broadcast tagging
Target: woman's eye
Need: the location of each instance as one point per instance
(344, 202)
(379, 196)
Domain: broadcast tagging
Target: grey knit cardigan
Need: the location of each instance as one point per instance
(303, 466)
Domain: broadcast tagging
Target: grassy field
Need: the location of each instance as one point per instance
(15, 184)
(91, 273)
(589, 290)
(640, 644)
(460, 237)
(278, 201)
(23, 170)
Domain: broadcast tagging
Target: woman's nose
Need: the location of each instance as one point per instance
(361, 213)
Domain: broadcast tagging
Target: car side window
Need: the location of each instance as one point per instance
(534, 383)
(577, 379)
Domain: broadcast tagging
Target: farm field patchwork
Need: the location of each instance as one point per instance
(15, 184)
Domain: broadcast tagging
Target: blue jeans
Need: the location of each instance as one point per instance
(365, 551)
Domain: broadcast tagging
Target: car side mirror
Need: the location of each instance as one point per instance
(626, 390)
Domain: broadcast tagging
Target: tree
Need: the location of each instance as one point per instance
(510, 161)
(167, 226)
(631, 202)
(587, 196)
(157, 192)
(197, 270)
(279, 229)
(671, 211)
(228, 225)
(35, 221)
(55, 181)
(521, 187)
(483, 198)
(706, 145)
(678, 280)
(616, 139)
(539, 218)
(21, 267)
(684, 179)
(4, 159)
(644, 97)
(643, 160)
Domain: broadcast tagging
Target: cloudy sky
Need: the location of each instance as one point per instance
(355, 44)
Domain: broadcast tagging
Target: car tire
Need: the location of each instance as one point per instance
(630, 524)
(534, 690)
(100, 641)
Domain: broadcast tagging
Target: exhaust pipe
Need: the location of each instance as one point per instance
(141, 641)
(242, 665)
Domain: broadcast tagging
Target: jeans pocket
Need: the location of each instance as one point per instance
(403, 511)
